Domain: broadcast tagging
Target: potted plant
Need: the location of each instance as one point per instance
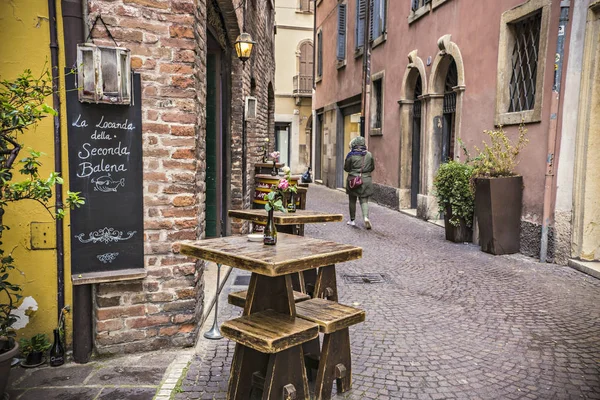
(22, 105)
(456, 200)
(499, 192)
(33, 349)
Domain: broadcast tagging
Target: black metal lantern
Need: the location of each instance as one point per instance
(243, 46)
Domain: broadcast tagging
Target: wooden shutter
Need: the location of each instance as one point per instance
(341, 39)
(415, 5)
(306, 59)
(374, 20)
(361, 16)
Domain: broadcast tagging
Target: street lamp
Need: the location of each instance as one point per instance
(243, 46)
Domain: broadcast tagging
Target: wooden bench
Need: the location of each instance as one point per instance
(238, 299)
(334, 361)
(271, 343)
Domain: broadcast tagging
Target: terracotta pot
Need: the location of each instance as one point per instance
(457, 234)
(498, 203)
(5, 361)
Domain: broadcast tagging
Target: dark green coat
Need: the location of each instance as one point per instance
(352, 167)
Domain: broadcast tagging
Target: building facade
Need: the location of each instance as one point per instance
(293, 82)
(198, 151)
(439, 73)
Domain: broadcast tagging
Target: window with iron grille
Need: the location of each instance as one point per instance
(524, 62)
(522, 54)
(378, 112)
(341, 32)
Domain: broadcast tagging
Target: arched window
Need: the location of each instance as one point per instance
(303, 82)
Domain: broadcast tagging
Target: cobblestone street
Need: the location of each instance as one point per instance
(447, 322)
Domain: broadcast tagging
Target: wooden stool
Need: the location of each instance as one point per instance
(268, 345)
(334, 361)
(238, 299)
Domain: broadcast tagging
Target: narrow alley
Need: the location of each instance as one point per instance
(444, 320)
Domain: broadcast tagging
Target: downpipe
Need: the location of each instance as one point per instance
(60, 248)
(553, 129)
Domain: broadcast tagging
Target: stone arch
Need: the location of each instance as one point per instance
(414, 70)
(448, 53)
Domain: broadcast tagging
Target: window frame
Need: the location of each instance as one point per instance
(505, 48)
(382, 33)
(377, 131)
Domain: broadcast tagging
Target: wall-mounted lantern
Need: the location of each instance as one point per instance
(103, 74)
(243, 46)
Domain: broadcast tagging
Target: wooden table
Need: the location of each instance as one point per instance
(288, 223)
(271, 289)
(296, 218)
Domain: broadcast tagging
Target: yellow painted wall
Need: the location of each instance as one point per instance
(24, 44)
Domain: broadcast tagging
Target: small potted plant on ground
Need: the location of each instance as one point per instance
(34, 349)
(456, 200)
(499, 192)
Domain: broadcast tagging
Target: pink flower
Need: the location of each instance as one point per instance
(274, 155)
(283, 184)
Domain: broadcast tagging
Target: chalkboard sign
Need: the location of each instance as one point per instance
(105, 165)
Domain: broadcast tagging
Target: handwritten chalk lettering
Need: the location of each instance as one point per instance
(100, 136)
(87, 168)
(115, 125)
(107, 184)
(81, 124)
(90, 151)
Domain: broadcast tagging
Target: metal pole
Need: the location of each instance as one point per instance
(214, 332)
(553, 130)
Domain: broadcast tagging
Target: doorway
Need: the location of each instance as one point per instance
(449, 113)
(415, 168)
(217, 154)
(282, 142)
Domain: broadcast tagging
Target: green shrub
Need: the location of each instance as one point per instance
(37, 344)
(453, 189)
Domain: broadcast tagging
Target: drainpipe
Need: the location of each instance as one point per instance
(549, 180)
(366, 78)
(60, 250)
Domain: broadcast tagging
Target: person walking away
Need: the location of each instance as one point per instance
(359, 163)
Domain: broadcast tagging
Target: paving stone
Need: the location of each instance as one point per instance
(56, 393)
(127, 394)
(127, 376)
(452, 322)
(53, 376)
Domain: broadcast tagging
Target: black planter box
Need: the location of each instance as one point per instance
(458, 234)
(498, 203)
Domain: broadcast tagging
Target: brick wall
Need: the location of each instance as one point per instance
(167, 39)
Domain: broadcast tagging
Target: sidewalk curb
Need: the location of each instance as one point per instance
(173, 375)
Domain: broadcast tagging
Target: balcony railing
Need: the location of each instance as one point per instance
(303, 85)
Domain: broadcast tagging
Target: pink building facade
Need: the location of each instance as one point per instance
(440, 72)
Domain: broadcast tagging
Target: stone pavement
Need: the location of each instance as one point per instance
(447, 321)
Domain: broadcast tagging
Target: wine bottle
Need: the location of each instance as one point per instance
(57, 353)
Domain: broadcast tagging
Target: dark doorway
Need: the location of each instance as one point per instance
(217, 153)
(283, 142)
(318, 144)
(449, 111)
(415, 170)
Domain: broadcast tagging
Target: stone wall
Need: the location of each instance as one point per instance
(167, 39)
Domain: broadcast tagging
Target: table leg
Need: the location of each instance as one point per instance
(246, 362)
(286, 376)
(273, 293)
(335, 363)
(326, 285)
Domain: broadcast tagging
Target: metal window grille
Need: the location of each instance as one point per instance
(417, 102)
(378, 89)
(524, 62)
(449, 93)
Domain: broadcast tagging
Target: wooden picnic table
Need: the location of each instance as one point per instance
(269, 336)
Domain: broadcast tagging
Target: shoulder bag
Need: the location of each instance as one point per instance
(356, 181)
